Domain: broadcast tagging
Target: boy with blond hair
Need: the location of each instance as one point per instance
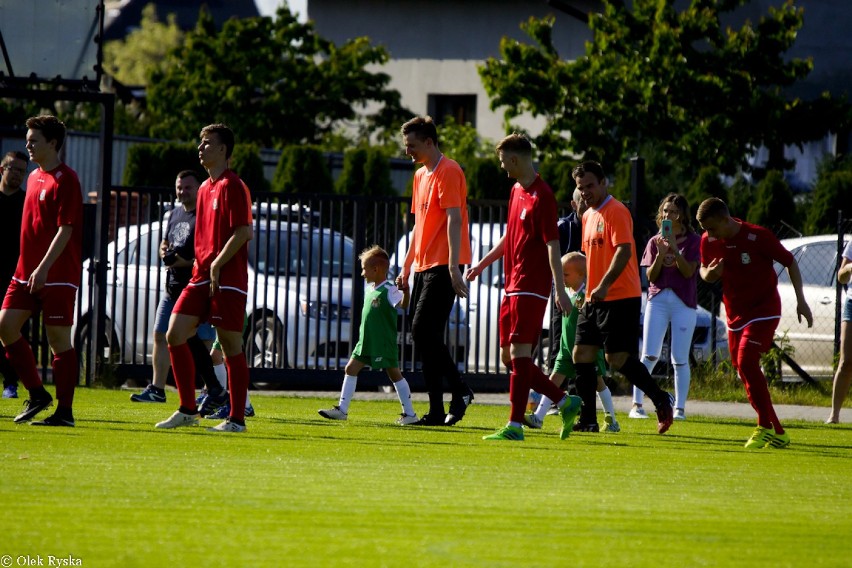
(377, 342)
(574, 275)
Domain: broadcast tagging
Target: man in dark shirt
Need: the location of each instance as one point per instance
(14, 170)
(177, 251)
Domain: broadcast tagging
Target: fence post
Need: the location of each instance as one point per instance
(838, 294)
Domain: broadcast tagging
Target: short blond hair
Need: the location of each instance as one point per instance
(374, 251)
(574, 257)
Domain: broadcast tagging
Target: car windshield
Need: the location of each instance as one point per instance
(301, 252)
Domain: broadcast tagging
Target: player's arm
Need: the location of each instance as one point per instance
(712, 272)
(406, 298)
(495, 253)
(802, 308)
(454, 223)
(616, 267)
(57, 245)
(553, 256)
(844, 274)
(241, 235)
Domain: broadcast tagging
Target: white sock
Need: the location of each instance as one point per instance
(515, 424)
(638, 396)
(562, 402)
(346, 393)
(606, 401)
(682, 376)
(221, 375)
(543, 407)
(403, 391)
(248, 400)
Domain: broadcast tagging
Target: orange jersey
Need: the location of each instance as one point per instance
(433, 193)
(603, 230)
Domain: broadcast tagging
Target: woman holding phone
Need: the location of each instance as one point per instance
(671, 258)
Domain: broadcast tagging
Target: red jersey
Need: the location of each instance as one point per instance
(222, 206)
(530, 226)
(749, 282)
(53, 199)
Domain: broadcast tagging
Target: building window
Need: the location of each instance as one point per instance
(462, 108)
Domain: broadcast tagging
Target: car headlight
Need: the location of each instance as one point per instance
(324, 310)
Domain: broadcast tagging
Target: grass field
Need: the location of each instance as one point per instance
(297, 490)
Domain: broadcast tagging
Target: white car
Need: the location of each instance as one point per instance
(299, 300)
(813, 348)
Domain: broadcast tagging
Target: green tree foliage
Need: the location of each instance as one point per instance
(302, 169)
(487, 180)
(247, 163)
(133, 59)
(741, 197)
(773, 204)
(156, 165)
(276, 82)
(462, 143)
(703, 94)
(366, 171)
(708, 183)
(556, 171)
(832, 193)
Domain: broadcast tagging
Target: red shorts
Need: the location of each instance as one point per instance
(56, 302)
(521, 319)
(225, 310)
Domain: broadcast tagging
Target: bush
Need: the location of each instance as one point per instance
(773, 202)
(741, 197)
(557, 173)
(366, 171)
(487, 180)
(832, 192)
(708, 183)
(302, 169)
(247, 163)
(156, 165)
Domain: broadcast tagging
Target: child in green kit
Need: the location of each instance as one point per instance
(377, 344)
(574, 274)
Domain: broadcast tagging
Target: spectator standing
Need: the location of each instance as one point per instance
(613, 299)
(217, 291)
(741, 255)
(14, 170)
(48, 273)
(531, 264)
(843, 375)
(377, 345)
(439, 249)
(671, 258)
(177, 251)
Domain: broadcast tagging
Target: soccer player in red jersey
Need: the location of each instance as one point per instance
(217, 291)
(531, 262)
(741, 255)
(48, 273)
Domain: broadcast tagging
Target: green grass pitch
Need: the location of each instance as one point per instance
(298, 490)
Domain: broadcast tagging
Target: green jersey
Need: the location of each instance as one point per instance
(377, 345)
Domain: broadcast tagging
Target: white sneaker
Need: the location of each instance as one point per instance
(533, 421)
(637, 412)
(406, 419)
(679, 414)
(333, 413)
(611, 423)
(177, 420)
(227, 426)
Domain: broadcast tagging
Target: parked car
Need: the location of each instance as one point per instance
(299, 298)
(813, 349)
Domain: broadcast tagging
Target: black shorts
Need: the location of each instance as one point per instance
(612, 325)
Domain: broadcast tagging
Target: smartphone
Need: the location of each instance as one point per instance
(666, 228)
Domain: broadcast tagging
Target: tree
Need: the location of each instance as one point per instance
(274, 81)
(302, 169)
(773, 205)
(704, 95)
(133, 59)
(832, 193)
(366, 171)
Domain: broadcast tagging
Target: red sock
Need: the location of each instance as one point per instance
(238, 380)
(757, 390)
(519, 388)
(21, 357)
(540, 382)
(183, 368)
(66, 375)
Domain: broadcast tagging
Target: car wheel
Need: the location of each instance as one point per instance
(265, 347)
(111, 353)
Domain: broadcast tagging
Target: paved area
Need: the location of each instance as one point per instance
(622, 404)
